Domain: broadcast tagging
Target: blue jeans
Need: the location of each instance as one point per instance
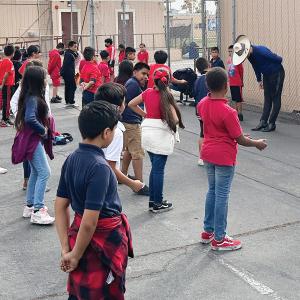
(40, 172)
(216, 205)
(156, 180)
(87, 97)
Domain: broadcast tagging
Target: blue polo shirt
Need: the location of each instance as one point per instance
(264, 61)
(89, 183)
(134, 89)
(217, 63)
(200, 88)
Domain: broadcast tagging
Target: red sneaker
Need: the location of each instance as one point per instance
(207, 237)
(227, 244)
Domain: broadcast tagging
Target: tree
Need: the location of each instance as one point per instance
(192, 6)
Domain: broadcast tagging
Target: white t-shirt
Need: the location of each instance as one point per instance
(114, 150)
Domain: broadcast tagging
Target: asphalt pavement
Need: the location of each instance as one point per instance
(170, 263)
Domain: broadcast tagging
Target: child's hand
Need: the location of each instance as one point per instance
(68, 262)
(261, 144)
(137, 186)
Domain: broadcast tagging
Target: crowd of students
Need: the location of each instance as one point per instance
(122, 117)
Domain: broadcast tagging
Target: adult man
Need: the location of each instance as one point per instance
(110, 48)
(68, 73)
(54, 66)
(270, 75)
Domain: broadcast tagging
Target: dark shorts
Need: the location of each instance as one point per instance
(236, 93)
(87, 97)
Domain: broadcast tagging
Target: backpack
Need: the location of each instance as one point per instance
(190, 76)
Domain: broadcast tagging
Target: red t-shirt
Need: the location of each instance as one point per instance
(235, 73)
(54, 63)
(152, 70)
(22, 68)
(221, 129)
(143, 56)
(81, 65)
(121, 56)
(104, 69)
(111, 51)
(151, 98)
(6, 66)
(91, 72)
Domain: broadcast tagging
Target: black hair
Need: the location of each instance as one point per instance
(216, 79)
(104, 54)
(142, 44)
(18, 55)
(60, 46)
(32, 49)
(88, 53)
(111, 92)
(125, 72)
(215, 49)
(33, 84)
(95, 117)
(9, 50)
(34, 62)
(140, 65)
(108, 41)
(71, 44)
(202, 64)
(160, 57)
(121, 46)
(129, 50)
(167, 100)
(230, 47)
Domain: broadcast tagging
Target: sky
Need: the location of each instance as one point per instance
(178, 3)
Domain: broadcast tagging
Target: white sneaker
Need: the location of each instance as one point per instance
(200, 162)
(27, 212)
(42, 217)
(3, 171)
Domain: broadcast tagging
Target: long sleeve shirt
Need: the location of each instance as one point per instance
(264, 61)
(68, 67)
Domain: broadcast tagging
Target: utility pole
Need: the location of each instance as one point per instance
(92, 23)
(233, 20)
(168, 33)
(72, 20)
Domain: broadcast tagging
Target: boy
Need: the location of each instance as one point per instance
(7, 81)
(236, 75)
(143, 55)
(114, 93)
(90, 77)
(201, 91)
(216, 61)
(110, 48)
(103, 66)
(68, 73)
(96, 246)
(161, 58)
(54, 66)
(132, 122)
(33, 52)
(222, 133)
(130, 54)
(122, 54)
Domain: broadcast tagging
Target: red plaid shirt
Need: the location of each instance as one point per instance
(107, 252)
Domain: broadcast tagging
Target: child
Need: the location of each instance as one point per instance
(95, 248)
(54, 66)
(125, 72)
(222, 133)
(236, 75)
(216, 61)
(90, 77)
(132, 122)
(114, 93)
(158, 137)
(110, 48)
(143, 55)
(200, 91)
(161, 58)
(32, 123)
(103, 66)
(122, 54)
(130, 54)
(32, 52)
(7, 81)
(17, 65)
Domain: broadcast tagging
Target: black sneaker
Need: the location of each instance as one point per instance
(241, 117)
(131, 177)
(144, 191)
(151, 203)
(9, 122)
(55, 100)
(159, 208)
(59, 98)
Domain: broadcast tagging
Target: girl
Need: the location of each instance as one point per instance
(32, 122)
(162, 118)
(125, 72)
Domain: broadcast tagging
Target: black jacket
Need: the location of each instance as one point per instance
(68, 67)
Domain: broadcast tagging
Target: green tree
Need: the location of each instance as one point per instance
(192, 6)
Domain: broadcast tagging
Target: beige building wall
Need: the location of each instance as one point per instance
(272, 23)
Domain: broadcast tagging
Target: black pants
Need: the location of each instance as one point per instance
(70, 88)
(6, 96)
(273, 85)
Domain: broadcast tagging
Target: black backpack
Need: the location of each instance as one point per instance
(190, 76)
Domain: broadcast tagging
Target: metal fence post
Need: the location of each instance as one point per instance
(92, 23)
(203, 27)
(233, 20)
(168, 33)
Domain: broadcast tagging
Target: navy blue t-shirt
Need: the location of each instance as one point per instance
(217, 63)
(134, 89)
(200, 88)
(89, 183)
